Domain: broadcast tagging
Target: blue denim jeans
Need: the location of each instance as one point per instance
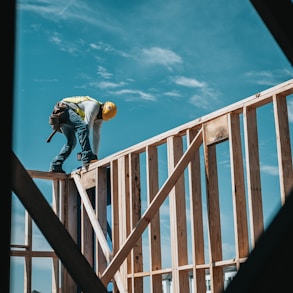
(73, 125)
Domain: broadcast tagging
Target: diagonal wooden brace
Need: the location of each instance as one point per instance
(98, 229)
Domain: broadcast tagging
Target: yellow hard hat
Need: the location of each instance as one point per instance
(109, 110)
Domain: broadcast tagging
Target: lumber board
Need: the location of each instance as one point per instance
(216, 130)
(47, 175)
(136, 264)
(214, 219)
(177, 203)
(283, 146)
(196, 215)
(253, 173)
(101, 214)
(238, 188)
(123, 189)
(154, 230)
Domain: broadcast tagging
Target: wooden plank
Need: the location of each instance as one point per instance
(88, 179)
(123, 189)
(213, 210)
(55, 275)
(56, 234)
(56, 209)
(47, 175)
(197, 235)
(180, 280)
(28, 257)
(87, 233)
(65, 278)
(135, 202)
(70, 222)
(283, 145)
(238, 188)
(115, 210)
(152, 209)
(253, 174)
(216, 130)
(48, 254)
(154, 229)
(115, 205)
(101, 215)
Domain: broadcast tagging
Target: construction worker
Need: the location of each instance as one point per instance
(82, 115)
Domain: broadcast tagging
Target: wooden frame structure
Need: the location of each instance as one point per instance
(178, 172)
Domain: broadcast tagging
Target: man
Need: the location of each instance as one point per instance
(82, 114)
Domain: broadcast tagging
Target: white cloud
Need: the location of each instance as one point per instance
(189, 82)
(172, 94)
(268, 78)
(103, 72)
(71, 10)
(106, 84)
(200, 102)
(135, 94)
(156, 55)
(56, 39)
(271, 170)
(107, 48)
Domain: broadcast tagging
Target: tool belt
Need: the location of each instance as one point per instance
(57, 117)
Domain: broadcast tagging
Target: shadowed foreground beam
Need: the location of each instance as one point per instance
(277, 15)
(268, 266)
(54, 231)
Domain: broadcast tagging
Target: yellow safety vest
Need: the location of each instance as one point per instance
(76, 100)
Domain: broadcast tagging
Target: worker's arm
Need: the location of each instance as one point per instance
(96, 135)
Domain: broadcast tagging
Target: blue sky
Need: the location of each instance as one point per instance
(164, 63)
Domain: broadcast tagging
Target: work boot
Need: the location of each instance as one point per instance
(56, 170)
(93, 159)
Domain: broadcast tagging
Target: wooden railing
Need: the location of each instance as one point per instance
(164, 207)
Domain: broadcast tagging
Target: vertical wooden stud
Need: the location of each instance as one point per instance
(154, 231)
(253, 173)
(180, 279)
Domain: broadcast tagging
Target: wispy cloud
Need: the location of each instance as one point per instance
(64, 46)
(56, 11)
(156, 55)
(189, 82)
(103, 72)
(175, 94)
(268, 77)
(107, 48)
(204, 97)
(135, 95)
(107, 84)
(270, 170)
(200, 102)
